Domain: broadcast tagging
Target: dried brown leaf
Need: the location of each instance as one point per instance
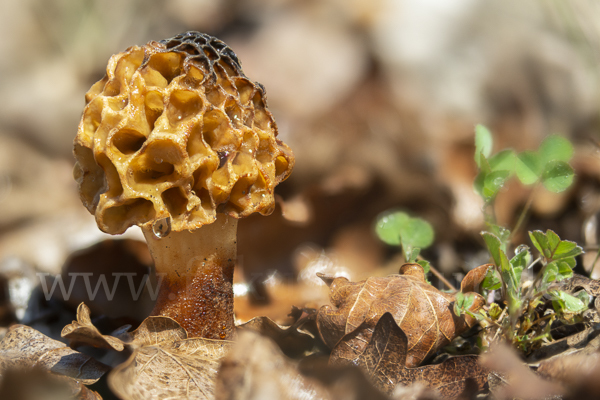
(521, 381)
(35, 383)
(255, 369)
(584, 342)
(156, 330)
(342, 381)
(472, 281)
(83, 332)
(423, 312)
(577, 372)
(383, 360)
(576, 282)
(25, 348)
(166, 364)
(290, 339)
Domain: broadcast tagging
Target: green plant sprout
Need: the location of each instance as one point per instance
(548, 166)
(520, 321)
(412, 234)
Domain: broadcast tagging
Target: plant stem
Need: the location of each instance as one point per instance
(524, 212)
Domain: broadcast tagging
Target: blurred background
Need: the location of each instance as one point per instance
(378, 99)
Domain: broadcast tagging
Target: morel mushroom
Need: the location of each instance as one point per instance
(176, 139)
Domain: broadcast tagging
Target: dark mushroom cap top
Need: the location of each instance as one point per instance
(176, 130)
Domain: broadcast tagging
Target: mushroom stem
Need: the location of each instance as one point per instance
(195, 277)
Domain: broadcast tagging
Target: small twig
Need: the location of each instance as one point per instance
(500, 326)
(441, 278)
(545, 317)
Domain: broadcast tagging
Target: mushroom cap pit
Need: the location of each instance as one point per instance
(176, 131)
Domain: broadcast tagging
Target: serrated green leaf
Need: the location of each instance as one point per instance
(555, 148)
(540, 241)
(553, 241)
(528, 167)
(503, 161)
(501, 233)
(483, 143)
(564, 247)
(553, 248)
(557, 176)
(493, 244)
(493, 182)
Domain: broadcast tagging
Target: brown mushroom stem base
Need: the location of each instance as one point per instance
(195, 274)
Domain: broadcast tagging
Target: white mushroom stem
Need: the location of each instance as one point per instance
(195, 274)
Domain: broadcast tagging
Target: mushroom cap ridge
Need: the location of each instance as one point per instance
(175, 130)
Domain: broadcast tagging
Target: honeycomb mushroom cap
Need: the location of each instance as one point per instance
(176, 130)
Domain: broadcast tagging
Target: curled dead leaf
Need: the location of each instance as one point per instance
(166, 364)
(170, 369)
(520, 381)
(423, 312)
(37, 384)
(24, 348)
(255, 369)
(83, 332)
(577, 372)
(584, 342)
(293, 340)
(474, 278)
(384, 357)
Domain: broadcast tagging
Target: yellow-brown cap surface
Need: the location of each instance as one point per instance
(176, 130)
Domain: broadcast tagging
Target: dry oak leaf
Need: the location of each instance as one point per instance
(473, 280)
(25, 348)
(165, 364)
(31, 363)
(83, 332)
(293, 340)
(38, 384)
(383, 360)
(256, 369)
(520, 381)
(576, 372)
(423, 313)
